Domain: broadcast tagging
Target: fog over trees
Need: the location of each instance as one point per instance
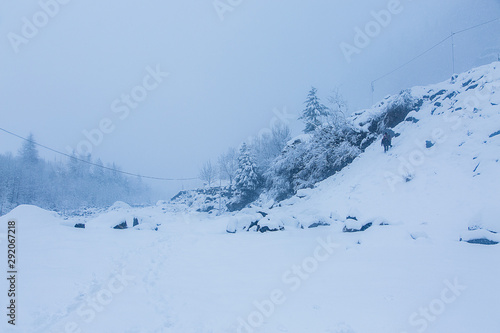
(78, 182)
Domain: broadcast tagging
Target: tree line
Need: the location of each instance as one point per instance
(25, 178)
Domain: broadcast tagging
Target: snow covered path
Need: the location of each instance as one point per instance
(191, 276)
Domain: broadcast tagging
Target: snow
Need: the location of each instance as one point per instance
(181, 271)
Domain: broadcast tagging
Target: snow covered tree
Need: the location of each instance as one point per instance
(8, 172)
(228, 163)
(305, 162)
(314, 112)
(269, 145)
(328, 152)
(281, 135)
(28, 151)
(208, 173)
(247, 178)
(63, 186)
(337, 111)
(28, 175)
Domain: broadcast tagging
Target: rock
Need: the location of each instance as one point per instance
(356, 226)
(122, 225)
(254, 224)
(267, 229)
(439, 93)
(472, 87)
(412, 119)
(319, 224)
(318, 221)
(482, 241)
(268, 224)
(477, 235)
(494, 134)
(80, 225)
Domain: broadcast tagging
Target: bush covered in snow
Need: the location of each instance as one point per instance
(306, 162)
(206, 199)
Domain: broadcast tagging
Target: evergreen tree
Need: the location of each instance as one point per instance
(313, 112)
(28, 151)
(247, 179)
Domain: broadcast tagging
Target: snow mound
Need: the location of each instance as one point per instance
(119, 205)
(33, 215)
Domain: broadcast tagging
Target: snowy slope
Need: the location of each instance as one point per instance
(408, 272)
(442, 175)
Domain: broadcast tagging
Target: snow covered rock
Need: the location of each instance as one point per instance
(204, 200)
(243, 221)
(353, 225)
(481, 236)
(268, 224)
(315, 221)
(122, 225)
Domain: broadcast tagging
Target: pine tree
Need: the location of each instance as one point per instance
(28, 151)
(313, 112)
(247, 180)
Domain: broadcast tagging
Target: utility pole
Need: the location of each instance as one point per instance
(373, 89)
(220, 196)
(453, 50)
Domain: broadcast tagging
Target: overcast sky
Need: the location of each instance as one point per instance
(227, 70)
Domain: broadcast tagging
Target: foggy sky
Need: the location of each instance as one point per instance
(225, 77)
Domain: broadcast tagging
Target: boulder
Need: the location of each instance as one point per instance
(353, 225)
(122, 225)
(481, 236)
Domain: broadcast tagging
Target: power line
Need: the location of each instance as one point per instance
(413, 59)
(91, 163)
(430, 49)
(477, 26)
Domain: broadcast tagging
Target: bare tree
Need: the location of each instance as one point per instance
(280, 136)
(208, 173)
(337, 111)
(269, 145)
(228, 164)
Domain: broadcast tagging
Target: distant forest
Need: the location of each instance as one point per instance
(26, 178)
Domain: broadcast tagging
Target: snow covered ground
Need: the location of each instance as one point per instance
(411, 270)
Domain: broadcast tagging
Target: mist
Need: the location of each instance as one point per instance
(205, 77)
